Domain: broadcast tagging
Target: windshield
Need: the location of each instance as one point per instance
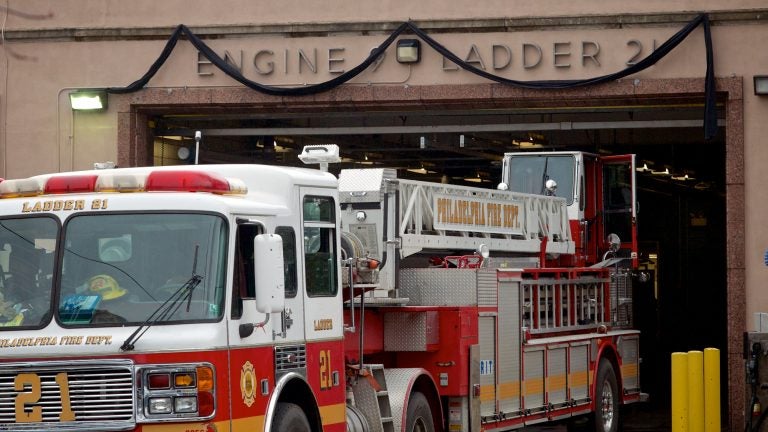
(27, 251)
(529, 173)
(119, 268)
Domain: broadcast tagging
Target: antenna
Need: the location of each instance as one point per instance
(198, 137)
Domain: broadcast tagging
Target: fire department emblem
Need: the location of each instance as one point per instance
(248, 384)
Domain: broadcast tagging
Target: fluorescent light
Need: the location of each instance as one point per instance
(88, 100)
(420, 170)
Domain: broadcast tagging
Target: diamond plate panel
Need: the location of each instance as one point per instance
(367, 401)
(410, 331)
(399, 383)
(439, 286)
(363, 185)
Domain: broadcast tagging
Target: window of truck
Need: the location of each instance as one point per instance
(121, 268)
(320, 246)
(529, 174)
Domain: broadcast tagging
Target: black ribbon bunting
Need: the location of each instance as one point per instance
(710, 108)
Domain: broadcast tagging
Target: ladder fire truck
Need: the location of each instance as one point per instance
(262, 298)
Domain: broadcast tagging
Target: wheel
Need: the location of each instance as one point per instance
(606, 416)
(289, 417)
(419, 415)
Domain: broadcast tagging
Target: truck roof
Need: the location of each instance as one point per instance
(252, 174)
(263, 185)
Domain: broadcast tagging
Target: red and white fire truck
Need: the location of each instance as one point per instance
(263, 298)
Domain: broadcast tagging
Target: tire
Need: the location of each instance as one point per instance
(289, 417)
(419, 414)
(606, 415)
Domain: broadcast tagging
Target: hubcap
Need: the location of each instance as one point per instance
(419, 425)
(606, 410)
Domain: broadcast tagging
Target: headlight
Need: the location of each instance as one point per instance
(181, 392)
(185, 404)
(160, 405)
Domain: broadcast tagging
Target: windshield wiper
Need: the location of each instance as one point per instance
(168, 308)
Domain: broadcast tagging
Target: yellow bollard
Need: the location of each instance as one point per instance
(711, 390)
(695, 391)
(679, 392)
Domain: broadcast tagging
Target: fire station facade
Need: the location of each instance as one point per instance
(423, 106)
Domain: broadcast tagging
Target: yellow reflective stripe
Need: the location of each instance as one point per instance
(332, 414)
(534, 386)
(487, 392)
(629, 369)
(556, 382)
(221, 426)
(246, 424)
(509, 390)
(578, 379)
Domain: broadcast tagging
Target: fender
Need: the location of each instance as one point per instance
(400, 384)
(278, 391)
(607, 344)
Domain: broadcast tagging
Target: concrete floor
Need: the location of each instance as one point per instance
(635, 418)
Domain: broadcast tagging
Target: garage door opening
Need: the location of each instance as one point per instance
(681, 184)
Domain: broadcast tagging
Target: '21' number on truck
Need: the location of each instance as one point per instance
(32, 397)
(325, 369)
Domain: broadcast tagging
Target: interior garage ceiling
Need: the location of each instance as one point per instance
(460, 146)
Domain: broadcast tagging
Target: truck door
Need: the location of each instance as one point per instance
(321, 264)
(619, 203)
(287, 326)
(323, 325)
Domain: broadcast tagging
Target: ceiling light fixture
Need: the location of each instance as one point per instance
(421, 170)
(684, 177)
(643, 168)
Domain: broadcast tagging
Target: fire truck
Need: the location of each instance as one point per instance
(262, 298)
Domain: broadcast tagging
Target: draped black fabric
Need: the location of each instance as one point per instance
(710, 108)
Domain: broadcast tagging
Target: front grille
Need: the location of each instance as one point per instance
(99, 393)
(290, 358)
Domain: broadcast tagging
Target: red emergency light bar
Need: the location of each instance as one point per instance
(70, 184)
(155, 181)
(186, 181)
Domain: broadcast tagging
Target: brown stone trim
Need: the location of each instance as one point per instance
(477, 25)
(735, 249)
(141, 104)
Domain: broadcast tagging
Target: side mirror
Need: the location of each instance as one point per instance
(270, 278)
(614, 242)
